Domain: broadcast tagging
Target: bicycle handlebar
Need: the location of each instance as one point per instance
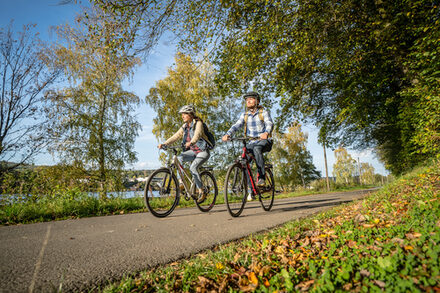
(243, 139)
(167, 147)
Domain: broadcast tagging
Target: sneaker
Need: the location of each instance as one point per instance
(250, 196)
(261, 182)
(202, 196)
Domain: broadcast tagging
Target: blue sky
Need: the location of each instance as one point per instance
(47, 13)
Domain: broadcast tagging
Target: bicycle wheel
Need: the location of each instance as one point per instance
(161, 194)
(206, 202)
(267, 193)
(235, 189)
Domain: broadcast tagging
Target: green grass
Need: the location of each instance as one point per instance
(387, 242)
(65, 206)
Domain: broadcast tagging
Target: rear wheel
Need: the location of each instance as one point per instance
(235, 190)
(267, 193)
(207, 201)
(161, 194)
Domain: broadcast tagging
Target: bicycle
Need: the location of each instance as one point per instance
(239, 175)
(162, 191)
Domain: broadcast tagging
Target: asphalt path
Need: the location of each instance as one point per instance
(82, 254)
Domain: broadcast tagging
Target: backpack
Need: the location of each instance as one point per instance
(208, 136)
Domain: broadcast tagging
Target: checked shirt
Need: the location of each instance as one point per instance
(255, 126)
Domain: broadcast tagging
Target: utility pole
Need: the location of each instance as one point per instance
(326, 168)
(359, 165)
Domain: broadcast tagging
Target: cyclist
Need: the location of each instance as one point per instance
(258, 126)
(194, 141)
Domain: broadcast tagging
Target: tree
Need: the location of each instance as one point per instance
(367, 175)
(368, 68)
(190, 83)
(24, 77)
(345, 166)
(96, 126)
(293, 164)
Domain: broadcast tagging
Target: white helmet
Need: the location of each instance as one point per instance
(189, 109)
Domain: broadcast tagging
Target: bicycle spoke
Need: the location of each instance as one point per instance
(206, 201)
(267, 193)
(161, 193)
(235, 190)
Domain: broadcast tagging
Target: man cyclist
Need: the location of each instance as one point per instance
(194, 141)
(258, 126)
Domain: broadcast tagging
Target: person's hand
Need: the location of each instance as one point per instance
(160, 146)
(264, 135)
(226, 137)
(188, 144)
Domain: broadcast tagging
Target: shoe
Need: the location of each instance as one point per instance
(202, 196)
(261, 182)
(250, 196)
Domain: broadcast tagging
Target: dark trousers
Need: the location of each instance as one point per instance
(257, 149)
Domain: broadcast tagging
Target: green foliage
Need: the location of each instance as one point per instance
(344, 168)
(293, 165)
(364, 69)
(191, 82)
(96, 127)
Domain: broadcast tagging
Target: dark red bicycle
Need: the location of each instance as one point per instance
(240, 178)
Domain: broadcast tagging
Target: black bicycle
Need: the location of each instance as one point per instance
(239, 176)
(162, 191)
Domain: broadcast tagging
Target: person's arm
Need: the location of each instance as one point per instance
(236, 126)
(197, 132)
(268, 123)
(176, 136)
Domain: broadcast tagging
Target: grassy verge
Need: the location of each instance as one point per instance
(65, 206)
(387, 242)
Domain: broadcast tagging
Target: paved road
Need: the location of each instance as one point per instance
(76, 255)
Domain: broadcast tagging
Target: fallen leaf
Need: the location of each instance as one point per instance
(219, 266)
(380, 284)
(253, 279)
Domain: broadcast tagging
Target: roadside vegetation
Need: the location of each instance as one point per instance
(386, 242)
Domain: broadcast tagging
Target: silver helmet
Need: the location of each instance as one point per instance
(187, 109)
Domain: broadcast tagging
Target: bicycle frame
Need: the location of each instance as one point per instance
(245, 160)
(183, 174)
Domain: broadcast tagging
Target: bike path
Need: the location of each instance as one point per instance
(82, 254)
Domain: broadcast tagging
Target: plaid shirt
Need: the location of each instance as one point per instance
(254, 125)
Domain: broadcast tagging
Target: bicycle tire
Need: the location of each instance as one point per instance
(267, 196)
(161, 194)
(235, 189)
(210, 190)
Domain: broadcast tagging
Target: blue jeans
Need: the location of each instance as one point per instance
(258, 148)
(197, 160)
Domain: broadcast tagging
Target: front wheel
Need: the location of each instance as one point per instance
(161, 194)
(235, 189)
(206, 201)
(267, 193)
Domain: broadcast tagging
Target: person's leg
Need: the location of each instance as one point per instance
(194, 168)
(257, 149)
(186, 156)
